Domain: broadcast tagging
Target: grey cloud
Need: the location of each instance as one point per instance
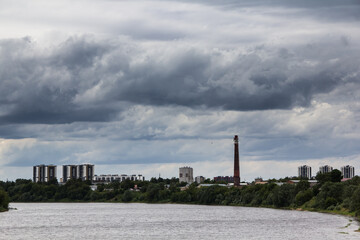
(88, 80)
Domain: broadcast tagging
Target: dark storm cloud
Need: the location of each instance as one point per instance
(87, 80)
(329, 10)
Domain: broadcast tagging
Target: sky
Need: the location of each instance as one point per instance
(146, 87)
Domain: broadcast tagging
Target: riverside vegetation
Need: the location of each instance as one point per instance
(4, 201)
(329, 195)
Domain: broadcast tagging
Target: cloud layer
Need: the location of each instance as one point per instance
(94, 81)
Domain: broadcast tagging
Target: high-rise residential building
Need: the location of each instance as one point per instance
(83, 172)
(304, 171)
(325, 169)
(186, 175)
(348, 171)
(44, 173)
(69, 172)
(86, 172)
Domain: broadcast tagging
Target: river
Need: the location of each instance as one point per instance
(168, 221)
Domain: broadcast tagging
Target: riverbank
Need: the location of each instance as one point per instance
(328, 197)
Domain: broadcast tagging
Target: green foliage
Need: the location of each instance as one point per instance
(284, 196)
(302, 186)
(127, 196)
(4, 201)
(355, 200)
(181, 197)
(303, 197)
(333, 176)
(328, 195)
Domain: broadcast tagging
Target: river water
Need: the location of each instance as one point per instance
(168, 221)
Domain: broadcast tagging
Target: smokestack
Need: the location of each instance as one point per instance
(236, 162)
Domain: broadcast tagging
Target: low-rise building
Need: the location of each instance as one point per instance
(260, 181)
(117, 178)
(227, 179)
(311, 182)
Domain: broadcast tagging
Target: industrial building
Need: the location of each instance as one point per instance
(304, 172)
(347, 171)
(236, 179)
(325, 169)
(117, 178)
(83, 172)
(186, 175)
(44, 173)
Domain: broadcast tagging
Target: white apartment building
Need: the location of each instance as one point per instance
(304, 171)
(325, 169)
(186, 175)
(348, 171)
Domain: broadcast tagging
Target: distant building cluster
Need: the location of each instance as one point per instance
(347, 171)
(117, 178)
(85, 172)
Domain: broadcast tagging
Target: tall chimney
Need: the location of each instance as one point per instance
(236, 162)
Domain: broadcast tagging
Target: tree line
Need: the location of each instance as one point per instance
(330, 194)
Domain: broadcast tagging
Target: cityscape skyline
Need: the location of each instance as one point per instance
(154, 85)
(44, 173)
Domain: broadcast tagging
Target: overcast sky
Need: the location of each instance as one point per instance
(146, 87)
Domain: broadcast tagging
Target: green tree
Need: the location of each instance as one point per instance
(127, 196)
(335, 175)
(302, 186)
(303, 196)
(4, 201)
(284, 195)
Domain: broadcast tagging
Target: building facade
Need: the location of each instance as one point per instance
(69, 172)
(117, 178)
(199, 179)
(348, 171)
(83, 172)
(228, 179)
(44, 173)
(86, 172)
(304, 172)
(186, 175)
(325, 169)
